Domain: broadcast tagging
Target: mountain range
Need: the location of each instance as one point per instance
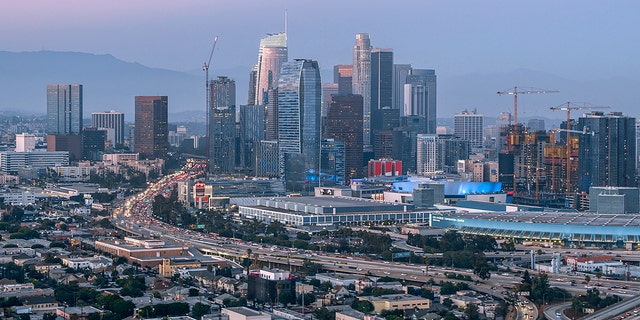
(110, 83)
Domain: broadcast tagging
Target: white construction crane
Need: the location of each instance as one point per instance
(568, 106)
(205, 67)
(515, 92)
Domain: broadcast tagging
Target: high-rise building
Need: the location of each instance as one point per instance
(64, 109)
(251, 132)
(267, 161)
(272, 54)
(299, 103)
(405, 141)
(25, 142)
(400, 73)
(536, 125)
(607, 151)
(332, 170)
(328, 90)
(344, 123)
(426, 160)
(222, 131)
(93, 143)
(361, 77)
(469, 125)
(151, 126)
(111, 121)
(381, 78)
(271, 116)
(223, 140)
(420, 97)
(343, 76)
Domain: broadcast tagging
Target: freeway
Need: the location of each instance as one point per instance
(135, 215)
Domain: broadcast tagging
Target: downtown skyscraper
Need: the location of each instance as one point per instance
(361, 77)
(272, 54)
(420, 97)
(222, 126)
(111, 121)
(607, 150)
(299, 104)
(152, 128)
(469, 125)
(64, 109)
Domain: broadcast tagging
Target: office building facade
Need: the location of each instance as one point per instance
(222, 123)
(111, 121)
(469, 125)
(151, 126)
(607, 151)
(344, 123)
(420, 97)
(64, 109)
(343, 76)
(272, 54)
(299, 104)
(251, 131)
(361, 77)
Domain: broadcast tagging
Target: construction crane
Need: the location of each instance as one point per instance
(568, 106)
(515, 92)
(205, 67)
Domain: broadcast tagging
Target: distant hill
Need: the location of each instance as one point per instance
(110, 83)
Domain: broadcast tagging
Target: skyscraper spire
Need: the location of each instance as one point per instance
(286, 24)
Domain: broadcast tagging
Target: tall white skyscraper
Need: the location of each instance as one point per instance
(469, 125)
(427, 154)
(361, 77)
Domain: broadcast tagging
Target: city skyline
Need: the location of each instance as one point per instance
(483, 38)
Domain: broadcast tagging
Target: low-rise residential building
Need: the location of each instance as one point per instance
(78, 313)
(350, 314)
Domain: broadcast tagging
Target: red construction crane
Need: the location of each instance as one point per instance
(568, 106)
(515, 92)
(205, 67)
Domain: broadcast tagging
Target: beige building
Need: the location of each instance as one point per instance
(168, 265)
(244, 313)
(146, 252)
(397, 301)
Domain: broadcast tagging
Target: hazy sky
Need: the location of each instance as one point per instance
(572, 38)
(564, 37)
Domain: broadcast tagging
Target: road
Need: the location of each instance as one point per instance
(135, 215)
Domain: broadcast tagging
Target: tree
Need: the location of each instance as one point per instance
(199, 310)
(587, 279)
(472, 312)
(286, 297)
(362, 305)
(193, 292)
(324, 314)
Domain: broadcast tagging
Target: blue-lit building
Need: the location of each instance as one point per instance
(299, 103)
(560, 227)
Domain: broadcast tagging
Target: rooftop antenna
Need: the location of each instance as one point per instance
(286, 23)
